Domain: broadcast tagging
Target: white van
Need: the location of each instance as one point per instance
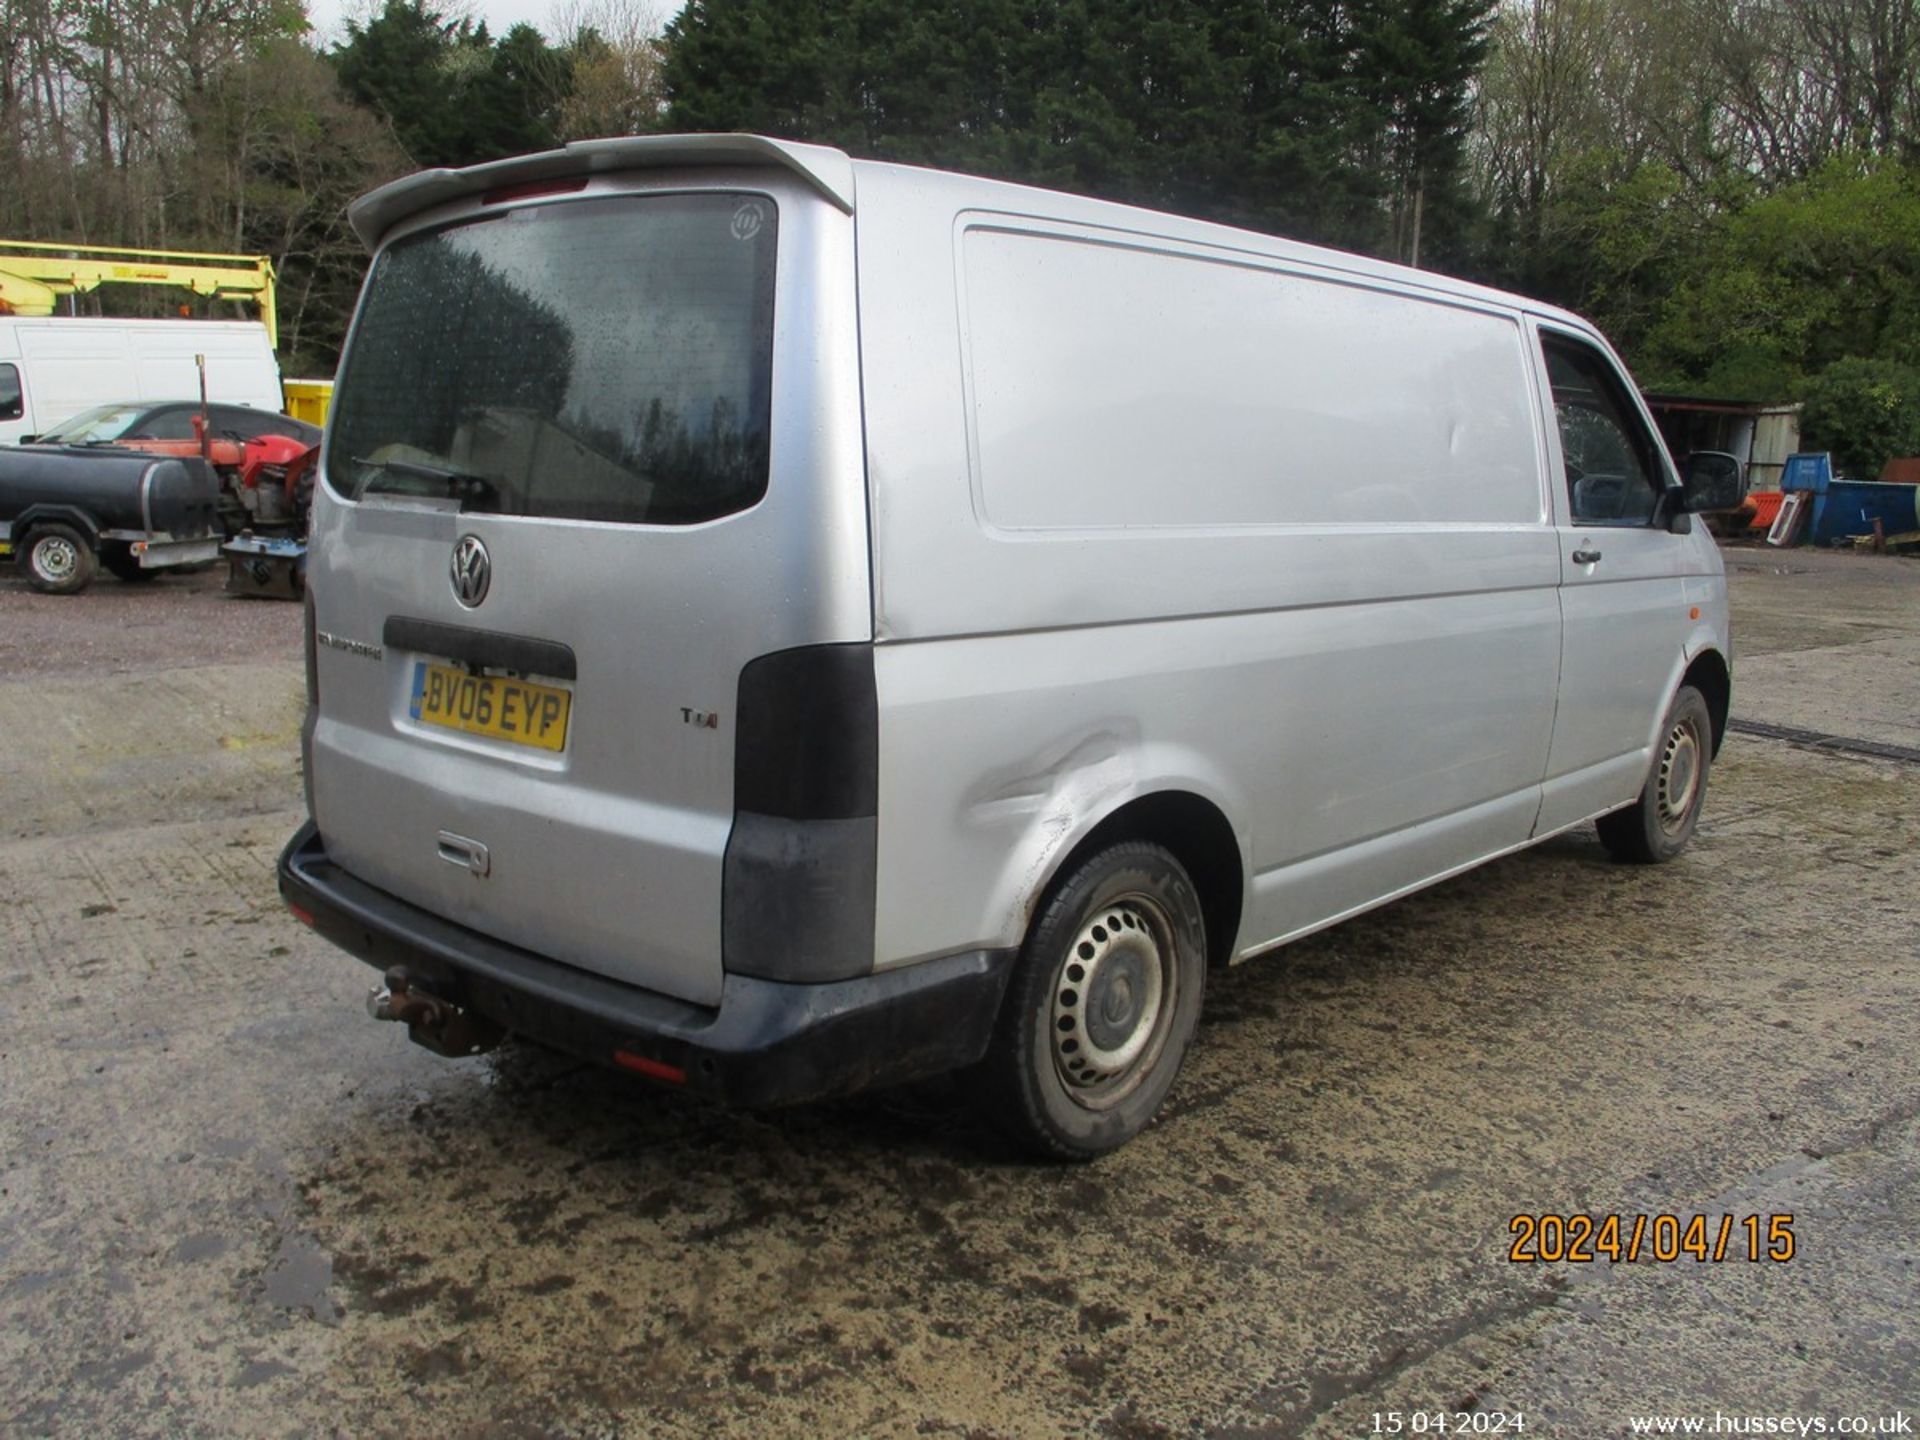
(52, 368)
(783, 624)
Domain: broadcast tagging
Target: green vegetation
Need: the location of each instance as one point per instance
(1864, 411)
(1730, 188)
(1345, 122)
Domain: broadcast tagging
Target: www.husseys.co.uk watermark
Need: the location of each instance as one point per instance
(1721, 1423)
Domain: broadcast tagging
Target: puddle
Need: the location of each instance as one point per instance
(299, 1277)
(202, 1246)
(258, 1372)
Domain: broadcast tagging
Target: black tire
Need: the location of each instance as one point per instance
(1658, 825)
(59, 560)
(120, 562)
(1100, 1008)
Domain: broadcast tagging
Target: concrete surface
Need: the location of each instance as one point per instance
(231, 1204)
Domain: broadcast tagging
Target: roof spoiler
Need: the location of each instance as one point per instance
(828, 171)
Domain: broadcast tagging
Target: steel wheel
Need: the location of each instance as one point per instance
(1114, 1000)
(59, 561)
(1679, 775)
(1658, 825)
(56, 559)
(1101, 1005)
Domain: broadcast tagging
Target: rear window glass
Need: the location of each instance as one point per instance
(593, 359)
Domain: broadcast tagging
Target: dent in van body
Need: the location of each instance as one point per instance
(1049, 797)
(1083, 767)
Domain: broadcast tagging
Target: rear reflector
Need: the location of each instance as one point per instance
(303, 916)
(652, 1069)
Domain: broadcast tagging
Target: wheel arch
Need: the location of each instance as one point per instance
(1195, 832)
(1708, 673)
(35, 517)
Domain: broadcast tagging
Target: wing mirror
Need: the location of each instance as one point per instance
(1711, 480)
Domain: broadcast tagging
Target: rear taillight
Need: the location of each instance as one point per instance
(807, 743)
(797, 896)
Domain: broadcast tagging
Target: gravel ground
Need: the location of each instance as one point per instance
(230, 1204)
(114, 628)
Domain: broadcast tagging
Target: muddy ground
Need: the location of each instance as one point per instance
(232, 1204)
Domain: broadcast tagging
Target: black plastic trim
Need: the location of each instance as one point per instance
(767, 1043)
(797, 897)
(492, 649)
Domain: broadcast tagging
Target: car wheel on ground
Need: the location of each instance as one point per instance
(59, 560)
(1658, 825)
(1101, 1006)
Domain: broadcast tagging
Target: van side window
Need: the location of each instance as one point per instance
(11, 405)
(1614, 475)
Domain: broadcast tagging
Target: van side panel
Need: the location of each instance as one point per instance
(1339, 627)
(1216, 392)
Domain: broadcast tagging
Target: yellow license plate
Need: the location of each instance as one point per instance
(496, 706)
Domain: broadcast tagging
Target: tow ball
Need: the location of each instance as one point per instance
(438, 1025)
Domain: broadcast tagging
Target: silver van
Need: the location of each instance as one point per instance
(782, 624)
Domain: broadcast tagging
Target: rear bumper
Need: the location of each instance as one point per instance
(767, 1043)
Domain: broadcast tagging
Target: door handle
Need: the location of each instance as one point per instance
(467, 854)
(1585, 556)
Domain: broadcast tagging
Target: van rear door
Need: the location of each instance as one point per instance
(591, 452)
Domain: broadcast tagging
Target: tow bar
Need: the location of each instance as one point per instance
(438, 1025)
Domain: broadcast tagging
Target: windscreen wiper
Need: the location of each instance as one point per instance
(461, 485)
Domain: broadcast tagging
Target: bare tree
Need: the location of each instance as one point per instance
(1802, 80)
(614, 47)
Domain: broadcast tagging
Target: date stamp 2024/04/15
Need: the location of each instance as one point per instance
(1580, 1239)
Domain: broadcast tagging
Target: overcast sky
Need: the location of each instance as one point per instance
(329, 17)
